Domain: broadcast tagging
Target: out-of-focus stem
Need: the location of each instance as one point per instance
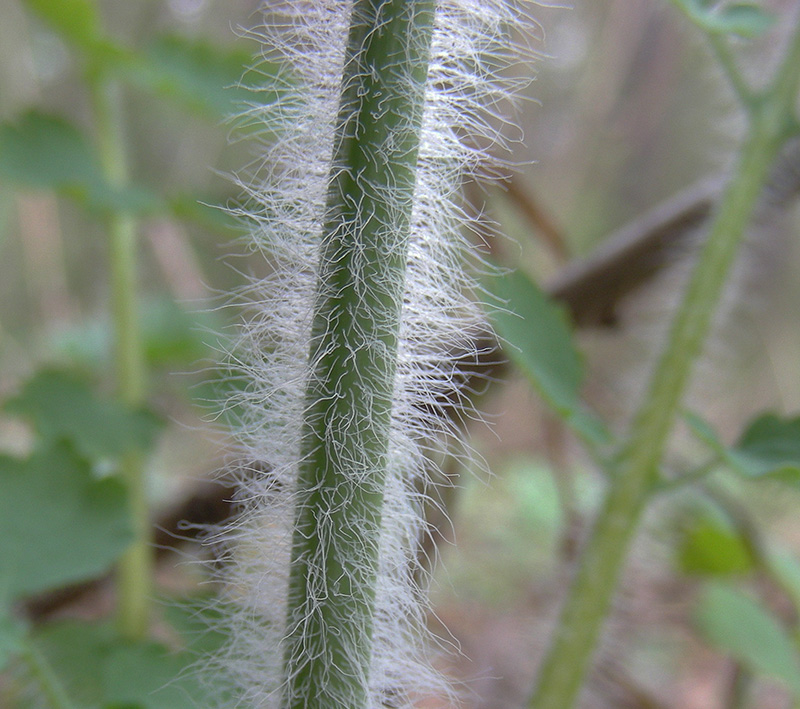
(635, 474)
(136, 566)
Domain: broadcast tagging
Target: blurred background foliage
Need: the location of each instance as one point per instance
(626, 110)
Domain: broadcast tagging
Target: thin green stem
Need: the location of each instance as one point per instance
(354, 349)
(43, 673)
(728, 64)
(562, 673)
(136, 565)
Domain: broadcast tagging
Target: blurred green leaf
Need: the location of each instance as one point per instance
(203, 77)
(171, 334)
(739, 626)
(48, 153)
(710, 547)
(769, 447)
(744, 19)
(201, 622)
(12, 635)
(206, 213)
(786, 568)
(76, 20)
(63, 406)
(540, 343)
(58, 524)
(100, 669)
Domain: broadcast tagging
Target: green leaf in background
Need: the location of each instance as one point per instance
(58, 524)
(769, 447)
(202, 622)
(100, 669)
(172, 335)
(541, 345)
(205, 78)
(744, 19)
(63, 406)
(45, 152)
(76, 20)
(12, 635)
(785, 567)
(205, 212)
(737, 625)
(710, 547)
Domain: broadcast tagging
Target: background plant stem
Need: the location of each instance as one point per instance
(335, 556)
(135, 568)
(636, 471)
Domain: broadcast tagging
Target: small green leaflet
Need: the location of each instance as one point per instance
(709, 547)
(540, 343)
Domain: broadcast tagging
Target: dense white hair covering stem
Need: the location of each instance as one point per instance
(287, 191)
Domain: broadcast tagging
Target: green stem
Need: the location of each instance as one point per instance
(335, 553)
(135, 569)
(722, 51)
(48, 681)
(562, 673)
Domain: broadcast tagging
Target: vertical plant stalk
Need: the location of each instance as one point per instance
(354, 342)
(134, 575)
(562, 674)
(350, 347)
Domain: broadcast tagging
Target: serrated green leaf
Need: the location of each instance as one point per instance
(737, 625)
(61, 405)
(204, 77)
(541, 345)
(58, 524)
(708, 547)
(100, 669)
(76, 20)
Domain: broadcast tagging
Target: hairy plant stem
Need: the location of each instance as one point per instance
(636, 471)
(353, 354)
(134, 575)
